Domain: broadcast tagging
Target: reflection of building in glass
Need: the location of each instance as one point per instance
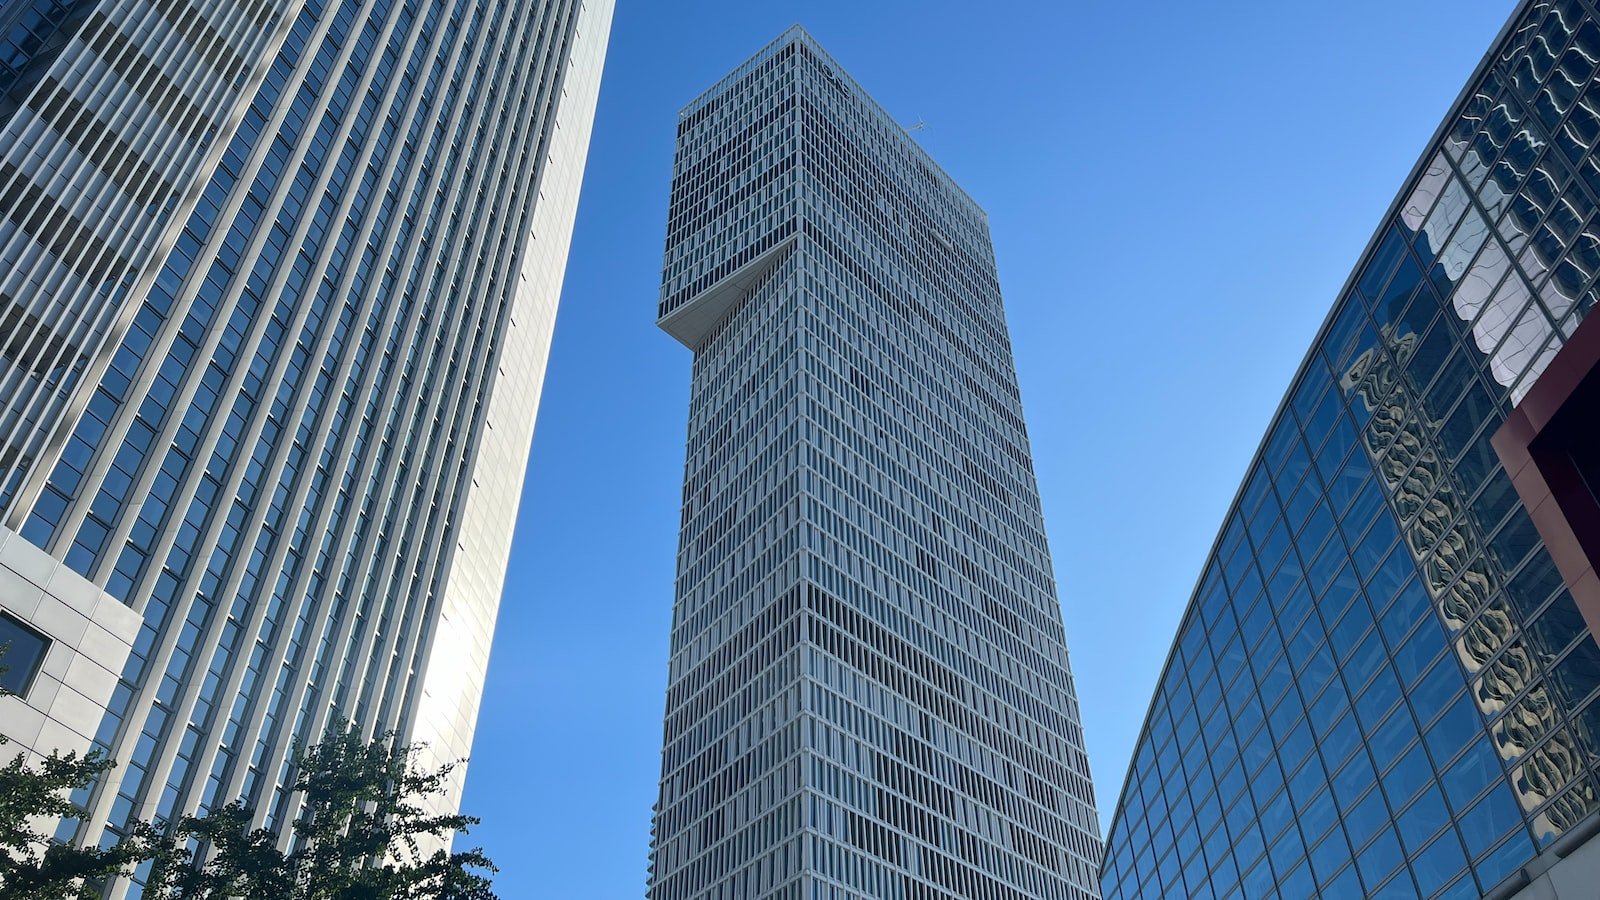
(277, 279)
(869, 690)
(1385, 684)
(1458, 579)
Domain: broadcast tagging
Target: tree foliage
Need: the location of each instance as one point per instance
(32, 865)
(364, 832)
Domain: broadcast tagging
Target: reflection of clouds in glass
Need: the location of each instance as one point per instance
(1511, 299)
(1480, 281)
(1493, 195)
(1452, 204)
(1521, 346)
(1536, 368)
(1416, 207)
(1457, 255)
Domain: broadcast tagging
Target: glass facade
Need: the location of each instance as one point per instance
(869, 692)
(22, 649)
(277, 279)
(1382, 686)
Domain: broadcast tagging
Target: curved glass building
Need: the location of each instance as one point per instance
(1385, 683)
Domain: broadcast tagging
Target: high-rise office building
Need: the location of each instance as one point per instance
(1386, 682)
(277, 282)
(869, 689)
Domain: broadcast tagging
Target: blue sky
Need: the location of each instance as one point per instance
(1177, 190)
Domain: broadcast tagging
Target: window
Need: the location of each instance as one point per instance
(22, 650)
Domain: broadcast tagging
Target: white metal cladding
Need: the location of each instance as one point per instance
(333, 330)
(446, 708)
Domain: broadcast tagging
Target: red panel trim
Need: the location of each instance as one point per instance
(1534, 445)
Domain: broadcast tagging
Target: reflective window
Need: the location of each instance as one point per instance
(22, 652)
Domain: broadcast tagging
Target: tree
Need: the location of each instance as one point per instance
(32, 865)
(362, 834)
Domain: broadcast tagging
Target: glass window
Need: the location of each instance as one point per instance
(1414, 655)
(1287, 851)
(1316, 529)
(1411, 773)
(1489, 820)
(1556, 627)
(1378, 698)
(1329, 707)
(1298, 884)
(1423, 819)
(1317, 817)
(1365, 660)
(1378, 861)
(1374, 548)
(1459, 724)
(1366, 818)
(1532, 586)
(1258, 492)
(1296, 743)
(1505, 859)
(1468, 776)
(1382, 264)
(1307, 784)
(1388, 306)
(1257, 883)
(1436, 690)
(22, 651)
(1515, 540)
(1577, 674)
(1439, 863)
(1349, 629)
(1276, 815)
(1340, 740)
(1327, 857)
(1350, 335)
(1409, 606)
(1365, 507)
(1393, 735)
(1352, 780)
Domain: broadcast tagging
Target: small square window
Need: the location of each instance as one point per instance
(22, 651)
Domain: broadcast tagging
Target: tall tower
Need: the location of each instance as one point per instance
(869, 689)
(1387, 682)
(277, 281)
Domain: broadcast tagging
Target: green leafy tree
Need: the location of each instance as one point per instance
(364, 833)
(32, 865)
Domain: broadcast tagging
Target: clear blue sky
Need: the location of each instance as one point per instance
(1176, 190)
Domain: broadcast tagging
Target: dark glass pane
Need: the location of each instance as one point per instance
(1557, 626)
(22, 651)
(1382, 264)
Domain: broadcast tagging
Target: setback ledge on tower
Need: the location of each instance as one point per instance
(691, 322)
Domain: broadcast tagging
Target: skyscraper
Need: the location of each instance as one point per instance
(277, 281)
(869, 688)
(1387, 682)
